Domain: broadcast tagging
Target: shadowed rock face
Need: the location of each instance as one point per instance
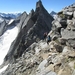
(31, 29)
(2, 27)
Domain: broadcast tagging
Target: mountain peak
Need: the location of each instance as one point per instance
(39, 4)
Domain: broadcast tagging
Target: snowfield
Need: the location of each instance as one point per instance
(4, 68)
(5, 42)
(10, 21)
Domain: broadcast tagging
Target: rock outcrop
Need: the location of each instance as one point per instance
(64, 25)
(2, 27)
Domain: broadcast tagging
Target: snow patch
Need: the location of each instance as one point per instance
(10, 21)
(4, 68)
(5, 42)
(1, 20)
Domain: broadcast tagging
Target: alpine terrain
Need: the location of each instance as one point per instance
(25, 50)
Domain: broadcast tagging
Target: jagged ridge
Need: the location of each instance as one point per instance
(31, 30)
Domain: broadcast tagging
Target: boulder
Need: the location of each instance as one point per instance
(66, 49)
(62, 41)
(67, 34)
(51, 73)
(74, 14)
(71, 42)
(71, 25)
(71, 55)
(57, 24)
(73, 72)
(58, 48)
(66, 71)
(68, 13)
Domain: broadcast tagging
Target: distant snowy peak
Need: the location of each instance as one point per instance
(12, 15)
(53, 14)
(8, 16)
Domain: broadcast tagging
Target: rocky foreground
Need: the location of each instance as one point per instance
(43, 59)
(55, 58)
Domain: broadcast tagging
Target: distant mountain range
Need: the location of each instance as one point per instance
(12, 15)
(8, 16)
(53, 14)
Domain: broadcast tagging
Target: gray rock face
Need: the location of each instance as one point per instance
(67, 34)
(67, 13)
(51, 73)
(74, 14)
(2, 27)
(32, 28)
(64, 26)
(18, 22)
(58, 48)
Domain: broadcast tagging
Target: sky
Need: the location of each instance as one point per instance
(14, 6)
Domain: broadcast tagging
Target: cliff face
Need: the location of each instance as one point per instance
(31, 29)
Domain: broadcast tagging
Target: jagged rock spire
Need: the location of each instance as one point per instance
(38, 4)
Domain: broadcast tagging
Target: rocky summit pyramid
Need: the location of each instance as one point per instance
(31, 29)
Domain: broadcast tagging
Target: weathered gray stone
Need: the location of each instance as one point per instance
(51, 73)
(66, 34)
(63, 23)
(55, 37)
(2, 27)
(42, 65)
(67, 13)
(66, 49)
(69, 22)
(58, 48)
(73, 72)
(74, 14)
(56, 23)
(71, 42)
(62, 41)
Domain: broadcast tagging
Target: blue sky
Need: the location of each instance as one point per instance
(9, 6)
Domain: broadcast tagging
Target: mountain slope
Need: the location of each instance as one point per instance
(32, 30)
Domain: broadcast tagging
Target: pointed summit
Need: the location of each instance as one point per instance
(39, 4)
(40, 7)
